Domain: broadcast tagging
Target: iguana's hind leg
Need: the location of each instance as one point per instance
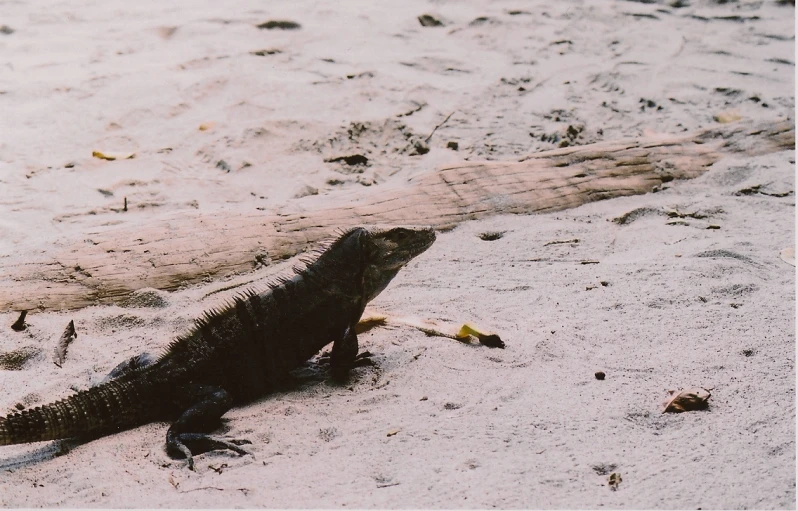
(204, 405)
(138, 362)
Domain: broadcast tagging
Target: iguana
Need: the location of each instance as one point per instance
(235, 354)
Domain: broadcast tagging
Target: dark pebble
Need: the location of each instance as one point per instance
(280, 24)
(429, 21)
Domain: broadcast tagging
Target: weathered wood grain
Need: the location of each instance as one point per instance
(192, 248)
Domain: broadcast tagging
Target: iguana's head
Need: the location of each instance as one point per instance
(386, 251)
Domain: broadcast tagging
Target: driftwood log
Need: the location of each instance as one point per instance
(191, 248)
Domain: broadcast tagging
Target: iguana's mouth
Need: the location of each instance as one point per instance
(423, 244)
(396, 247)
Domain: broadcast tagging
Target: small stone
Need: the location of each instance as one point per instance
(427, 20)
(352, 159)
(280, 24)
(263, 53)
(600, 375)
(419, 148)
(454, 146)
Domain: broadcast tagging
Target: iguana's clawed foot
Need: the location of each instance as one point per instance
(340, 372)
(363, 359)
(194, 444)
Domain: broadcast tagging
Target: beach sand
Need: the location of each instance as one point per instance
(691, 290)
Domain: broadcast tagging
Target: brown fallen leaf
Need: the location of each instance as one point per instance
(687, 400)
(112, 156)
(59, 354)
(615, 480)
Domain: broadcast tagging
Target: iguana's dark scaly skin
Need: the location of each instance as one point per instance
(236, 354)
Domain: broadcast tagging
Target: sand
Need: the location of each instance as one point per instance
(223, 116)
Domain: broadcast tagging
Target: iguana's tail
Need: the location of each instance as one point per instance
(110, 407)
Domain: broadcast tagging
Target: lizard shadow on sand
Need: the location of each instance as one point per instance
(52, 449)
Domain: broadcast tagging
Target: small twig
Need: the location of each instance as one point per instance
(426, 140)
(124, 208)
(555, 242)
(218, 469)
(387, 485)
(202, 488)
(19, 325)
(59, 355)
(419, 106)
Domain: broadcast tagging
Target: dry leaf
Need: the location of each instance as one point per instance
(59, 355)
(615, 480)
(372, 319)
(166, 32)
(112, 156)
(788, 255)
(205, 126)
(395, 431)
(687, 400)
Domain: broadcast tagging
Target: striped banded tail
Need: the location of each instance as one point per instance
(106, 408)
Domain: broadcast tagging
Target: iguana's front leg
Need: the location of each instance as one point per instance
(344, 353)
(187, 437)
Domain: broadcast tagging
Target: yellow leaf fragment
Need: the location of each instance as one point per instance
(371, 319)
(687, 400)
(727, 117)
(486, 338)
(205, 126)
(393, 432)
(103, 155)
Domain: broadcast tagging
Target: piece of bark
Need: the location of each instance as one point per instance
(69, 335)
(171, 251)
(19, 325)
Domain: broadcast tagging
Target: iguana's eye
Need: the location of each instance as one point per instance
(399, 235)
